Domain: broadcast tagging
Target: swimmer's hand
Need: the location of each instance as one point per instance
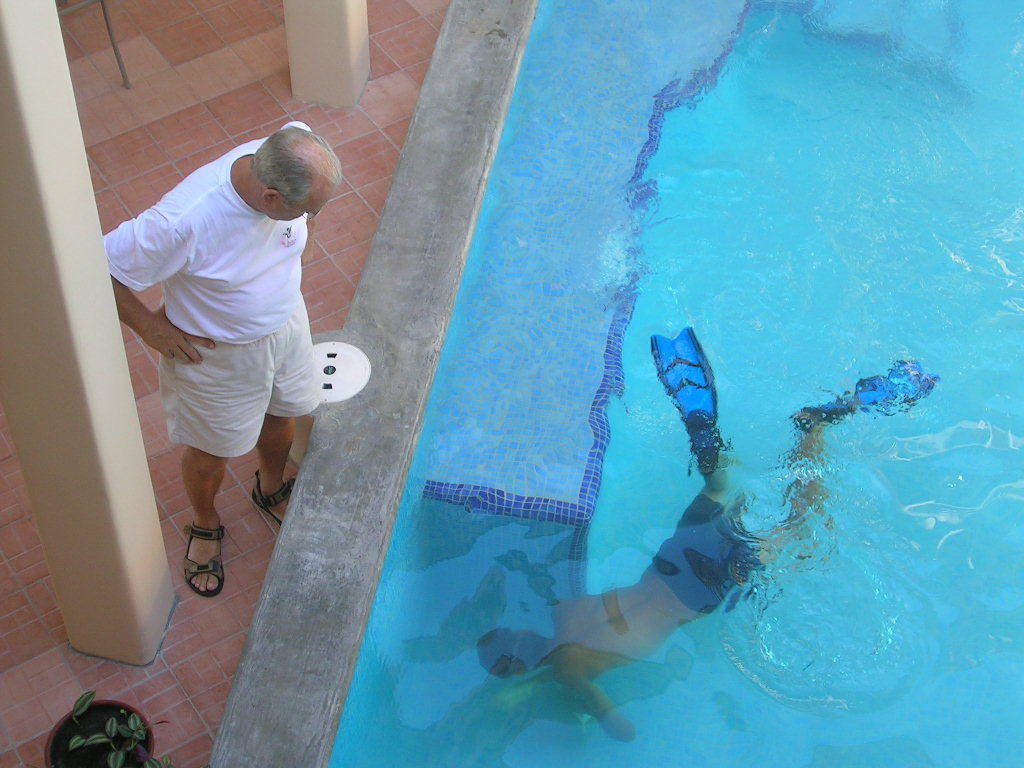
(617, 726)
(519, 693)
(569, 672)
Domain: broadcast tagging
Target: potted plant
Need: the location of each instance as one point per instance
(102, 734)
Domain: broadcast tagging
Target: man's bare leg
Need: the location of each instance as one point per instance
(272, 448)
(203, 474)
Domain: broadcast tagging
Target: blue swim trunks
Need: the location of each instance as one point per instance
(706, 558)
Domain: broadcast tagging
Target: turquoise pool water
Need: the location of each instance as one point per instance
(846, 192)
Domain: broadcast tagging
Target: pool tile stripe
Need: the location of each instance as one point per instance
(640, 195)
(478, 498)
(672, 96)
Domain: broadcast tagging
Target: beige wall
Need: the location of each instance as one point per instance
(63, 374)
(328, 50)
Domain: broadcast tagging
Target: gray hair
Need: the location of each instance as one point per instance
(284, 162)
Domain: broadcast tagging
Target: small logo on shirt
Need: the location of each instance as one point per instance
(289, 237)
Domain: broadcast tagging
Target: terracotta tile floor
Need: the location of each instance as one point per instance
(206, 74)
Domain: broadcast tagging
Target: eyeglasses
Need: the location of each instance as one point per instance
(308, 214)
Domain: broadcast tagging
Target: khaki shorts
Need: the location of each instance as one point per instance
(218, 405)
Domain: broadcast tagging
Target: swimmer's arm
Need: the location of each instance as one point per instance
(596, 702)
(571, 670)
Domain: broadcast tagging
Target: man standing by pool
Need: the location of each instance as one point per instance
(227, 245)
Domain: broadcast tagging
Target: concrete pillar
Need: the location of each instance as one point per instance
(328, 50)
(63, 374)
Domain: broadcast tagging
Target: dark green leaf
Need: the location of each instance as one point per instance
(134, 721)
(151, 763)
(115, 760)
(83, 703)
(96, 738)
(139, 734)
(111, 728)
(76, 742)
(124, 730)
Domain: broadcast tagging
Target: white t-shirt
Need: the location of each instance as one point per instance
(230, 273)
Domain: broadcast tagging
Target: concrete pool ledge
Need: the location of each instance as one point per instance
(291, 683)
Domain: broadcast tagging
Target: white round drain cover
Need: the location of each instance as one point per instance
(342, 369)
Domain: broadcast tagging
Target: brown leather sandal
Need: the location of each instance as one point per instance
(265, 503)
(214, 567)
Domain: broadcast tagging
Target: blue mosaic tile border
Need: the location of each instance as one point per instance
(640, 195)
(478, 498)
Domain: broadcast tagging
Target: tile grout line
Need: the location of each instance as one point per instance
(23, 586)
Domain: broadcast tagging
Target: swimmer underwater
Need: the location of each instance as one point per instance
(708, 557)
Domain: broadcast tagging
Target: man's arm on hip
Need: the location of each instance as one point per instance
(155, 329)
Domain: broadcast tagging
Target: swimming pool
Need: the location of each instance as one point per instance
(841, 194)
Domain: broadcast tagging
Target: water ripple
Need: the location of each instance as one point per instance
(848, 634)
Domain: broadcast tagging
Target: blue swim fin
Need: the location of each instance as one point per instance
(684, 370)
(899, 390)
(686, 374)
